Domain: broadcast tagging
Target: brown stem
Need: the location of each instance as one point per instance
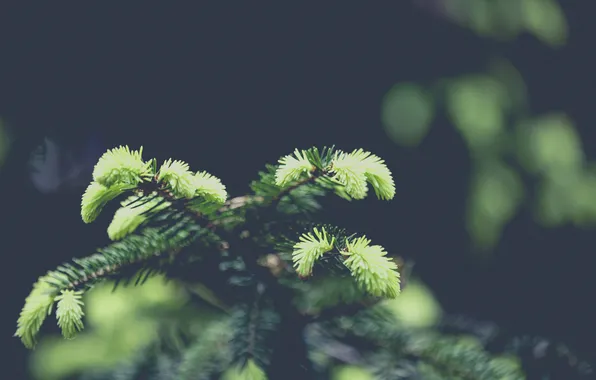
(287, 190)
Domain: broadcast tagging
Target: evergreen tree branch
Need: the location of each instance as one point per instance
(319, 276)
(150, 244)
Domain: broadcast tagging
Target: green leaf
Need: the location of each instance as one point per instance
(496, 192)
(550, 145)
(476, 106)
(407, 112)
(546, 20)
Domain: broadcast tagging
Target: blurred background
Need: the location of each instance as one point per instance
(480, 108)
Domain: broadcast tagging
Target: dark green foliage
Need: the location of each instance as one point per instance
(392, 351)
(293, 297)
(256, 325)
(210, 354)
(142, 252)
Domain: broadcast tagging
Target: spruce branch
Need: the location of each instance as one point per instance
(83, 273)
(292, 168)
(134, 249)
(123, 166)
(371, 268)
(317, 275)
(120, 170)
(309, 249)
(69, 313)
(38, 305)
(96, 196)
(347, 174)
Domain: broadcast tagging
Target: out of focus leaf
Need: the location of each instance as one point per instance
(546, 20)
(584, 206)
(498, 19)
(250, 372)
(479, 17)
(495, 195)
(119, 324)
(350, 372)
(508, 19)
(513, 83)
(406, 113)
(416, 306)
(475, 104)
(550, 145)
(553, 203)
(568, 197)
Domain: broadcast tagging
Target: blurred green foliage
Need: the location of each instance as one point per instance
(118, 325)
(476, 106)
(507, 19)
(351, 372)
(495, 194)
(122, 323)
(415, 307)
(510, 148)
(407, 113)
(250, 372)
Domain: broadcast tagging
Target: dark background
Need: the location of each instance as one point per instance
(230, 87)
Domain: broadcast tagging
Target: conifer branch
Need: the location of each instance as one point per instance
(134, 249)
(318, 276)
